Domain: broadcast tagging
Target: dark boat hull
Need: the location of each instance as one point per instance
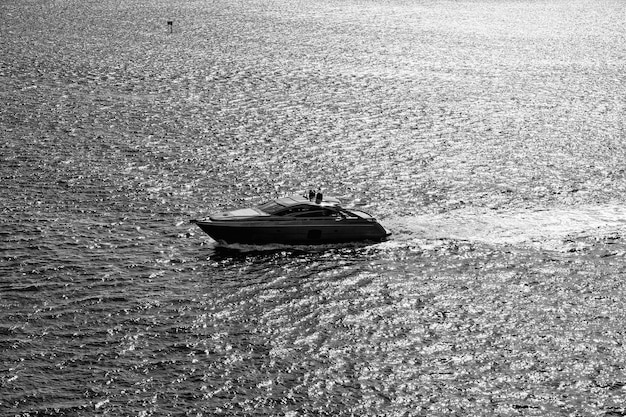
(292, 233)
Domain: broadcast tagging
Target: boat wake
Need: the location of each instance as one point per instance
(562, 229)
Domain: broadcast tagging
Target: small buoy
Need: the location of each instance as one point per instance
(170, 23)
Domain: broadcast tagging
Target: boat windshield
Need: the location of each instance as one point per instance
(271, 207)
(361, 214)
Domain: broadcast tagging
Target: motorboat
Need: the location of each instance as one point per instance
(294, 220)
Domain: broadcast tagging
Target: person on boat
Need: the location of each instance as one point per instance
(318, 196)
(311, 195)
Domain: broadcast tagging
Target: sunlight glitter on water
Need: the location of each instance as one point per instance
(488, 136)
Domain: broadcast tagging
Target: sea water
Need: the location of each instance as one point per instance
(488, 136)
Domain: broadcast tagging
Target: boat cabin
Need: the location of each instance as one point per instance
(301, 207)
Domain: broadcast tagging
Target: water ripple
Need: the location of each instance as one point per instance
(488, 137)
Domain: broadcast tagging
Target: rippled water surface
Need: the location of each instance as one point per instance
(488, 136)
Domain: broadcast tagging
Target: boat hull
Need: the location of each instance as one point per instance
(292, 233)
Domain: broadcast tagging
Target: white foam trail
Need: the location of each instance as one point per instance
(543, 228)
